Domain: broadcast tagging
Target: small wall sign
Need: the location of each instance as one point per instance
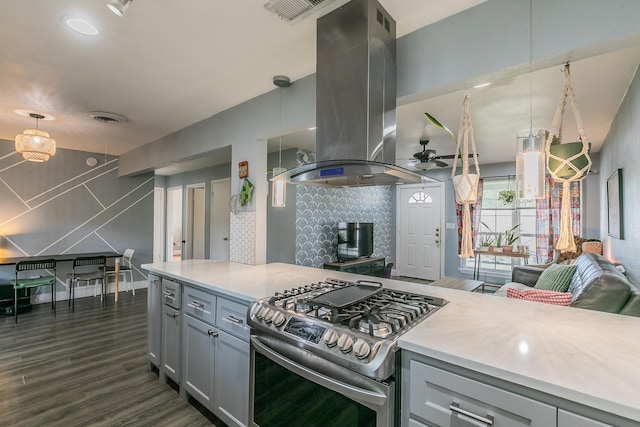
(243, 169)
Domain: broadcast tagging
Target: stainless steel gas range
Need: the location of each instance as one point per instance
(325, 353)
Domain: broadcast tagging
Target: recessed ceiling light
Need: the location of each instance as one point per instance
(479, 85)
(82, 26)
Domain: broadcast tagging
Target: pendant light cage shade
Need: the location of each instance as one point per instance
(530, 164)
(35, 145)
(278, 189)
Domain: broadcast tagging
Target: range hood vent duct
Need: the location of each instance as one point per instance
(355, 101)
(293, 11)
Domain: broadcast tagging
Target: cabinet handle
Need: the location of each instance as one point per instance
(195, 304)
(174, 315)
(234, 319)
(169, 295)
(212, 333)
(455, 407)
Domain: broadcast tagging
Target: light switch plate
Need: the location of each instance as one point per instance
(451, 226)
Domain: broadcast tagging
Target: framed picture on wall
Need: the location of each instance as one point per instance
(614, 205)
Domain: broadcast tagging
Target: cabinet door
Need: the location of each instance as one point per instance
(171, 343)
(441, 398)
(199, 350)
(154, 320)
(569, 419)
(231, 380)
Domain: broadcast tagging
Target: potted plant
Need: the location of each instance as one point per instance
(507, 196)
(510, 237)
(499, 239)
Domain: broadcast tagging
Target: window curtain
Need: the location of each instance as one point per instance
(476, 208)
(548, 217)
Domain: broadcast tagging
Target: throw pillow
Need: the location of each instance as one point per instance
(548, 297)
(556, 277)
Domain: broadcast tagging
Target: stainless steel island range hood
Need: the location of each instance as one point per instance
(355, 101)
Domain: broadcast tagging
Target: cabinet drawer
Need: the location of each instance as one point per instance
(231, 317)
(171, 295)
(442, 398)
(200, 304)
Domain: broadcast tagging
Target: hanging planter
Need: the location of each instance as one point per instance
(507, 197)
(567, 162)
(466, 184)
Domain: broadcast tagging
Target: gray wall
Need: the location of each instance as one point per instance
(620, 150)
(65, 206)
(281, 222)
(205, 176)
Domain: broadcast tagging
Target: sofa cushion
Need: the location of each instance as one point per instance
(598, 285)
(538, 295)
(556, 277)
(502, 292)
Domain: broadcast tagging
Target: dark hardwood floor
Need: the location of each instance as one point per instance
(87, 368)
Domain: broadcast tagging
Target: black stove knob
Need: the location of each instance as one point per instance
(331, 338)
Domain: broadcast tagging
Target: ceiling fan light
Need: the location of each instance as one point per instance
(119, 7)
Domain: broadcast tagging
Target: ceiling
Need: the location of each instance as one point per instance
(167, 64)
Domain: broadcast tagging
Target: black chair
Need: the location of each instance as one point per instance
(86, 269)
(23, 282)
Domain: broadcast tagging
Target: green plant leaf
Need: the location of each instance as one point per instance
(437, 123)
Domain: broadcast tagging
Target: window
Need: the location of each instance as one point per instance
(497, 216)
(420, 197)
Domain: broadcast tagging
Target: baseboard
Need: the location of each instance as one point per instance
(82, 292)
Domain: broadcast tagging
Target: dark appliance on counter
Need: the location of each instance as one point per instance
(325, 354)
(355, 240)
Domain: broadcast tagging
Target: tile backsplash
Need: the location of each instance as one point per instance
(319, 209)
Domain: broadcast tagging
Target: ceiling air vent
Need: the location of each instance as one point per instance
(105, 117)
(293, 11)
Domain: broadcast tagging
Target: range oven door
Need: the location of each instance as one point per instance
(291, 387)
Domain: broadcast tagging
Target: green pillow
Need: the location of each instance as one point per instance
(556, 278)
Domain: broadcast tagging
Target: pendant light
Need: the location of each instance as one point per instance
(35, 145)
(530, 166)
(119, 7)
(279, 186)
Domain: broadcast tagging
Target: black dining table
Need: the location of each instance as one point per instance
(68, 258)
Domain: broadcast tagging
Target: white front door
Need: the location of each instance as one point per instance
(420, 231)
(220, 218)
(195, 222)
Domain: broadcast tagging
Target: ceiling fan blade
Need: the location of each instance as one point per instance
(440, 163)
(451, 156)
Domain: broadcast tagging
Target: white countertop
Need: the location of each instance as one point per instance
(589, 357)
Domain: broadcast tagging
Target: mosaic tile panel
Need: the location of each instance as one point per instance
(319, 209)
(242, 242)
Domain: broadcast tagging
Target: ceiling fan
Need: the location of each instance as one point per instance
(427, 159)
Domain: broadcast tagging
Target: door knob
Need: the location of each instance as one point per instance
(225, 238)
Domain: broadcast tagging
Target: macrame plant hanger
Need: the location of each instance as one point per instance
(564, 165)
(466, 184)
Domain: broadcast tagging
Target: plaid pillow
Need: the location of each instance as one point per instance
(549, 297)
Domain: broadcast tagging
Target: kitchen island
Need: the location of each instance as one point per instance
(581, 364)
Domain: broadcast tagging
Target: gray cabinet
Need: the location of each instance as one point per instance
(441, 398)
(154, 320)
(569, 419)
(231, 380)
(170, 343)
(199, 345)
(170, 339)
(216, 354)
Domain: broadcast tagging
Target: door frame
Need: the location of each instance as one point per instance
(171, 208)
(435, 185)
(190, 219)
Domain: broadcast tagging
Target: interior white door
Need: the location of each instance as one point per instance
(158, 225)
(174, 224)
(220, 226)
(420, 231)
(195, 222)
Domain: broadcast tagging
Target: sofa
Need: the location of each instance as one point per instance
(596, 284)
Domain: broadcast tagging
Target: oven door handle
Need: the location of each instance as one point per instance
(357, 393)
